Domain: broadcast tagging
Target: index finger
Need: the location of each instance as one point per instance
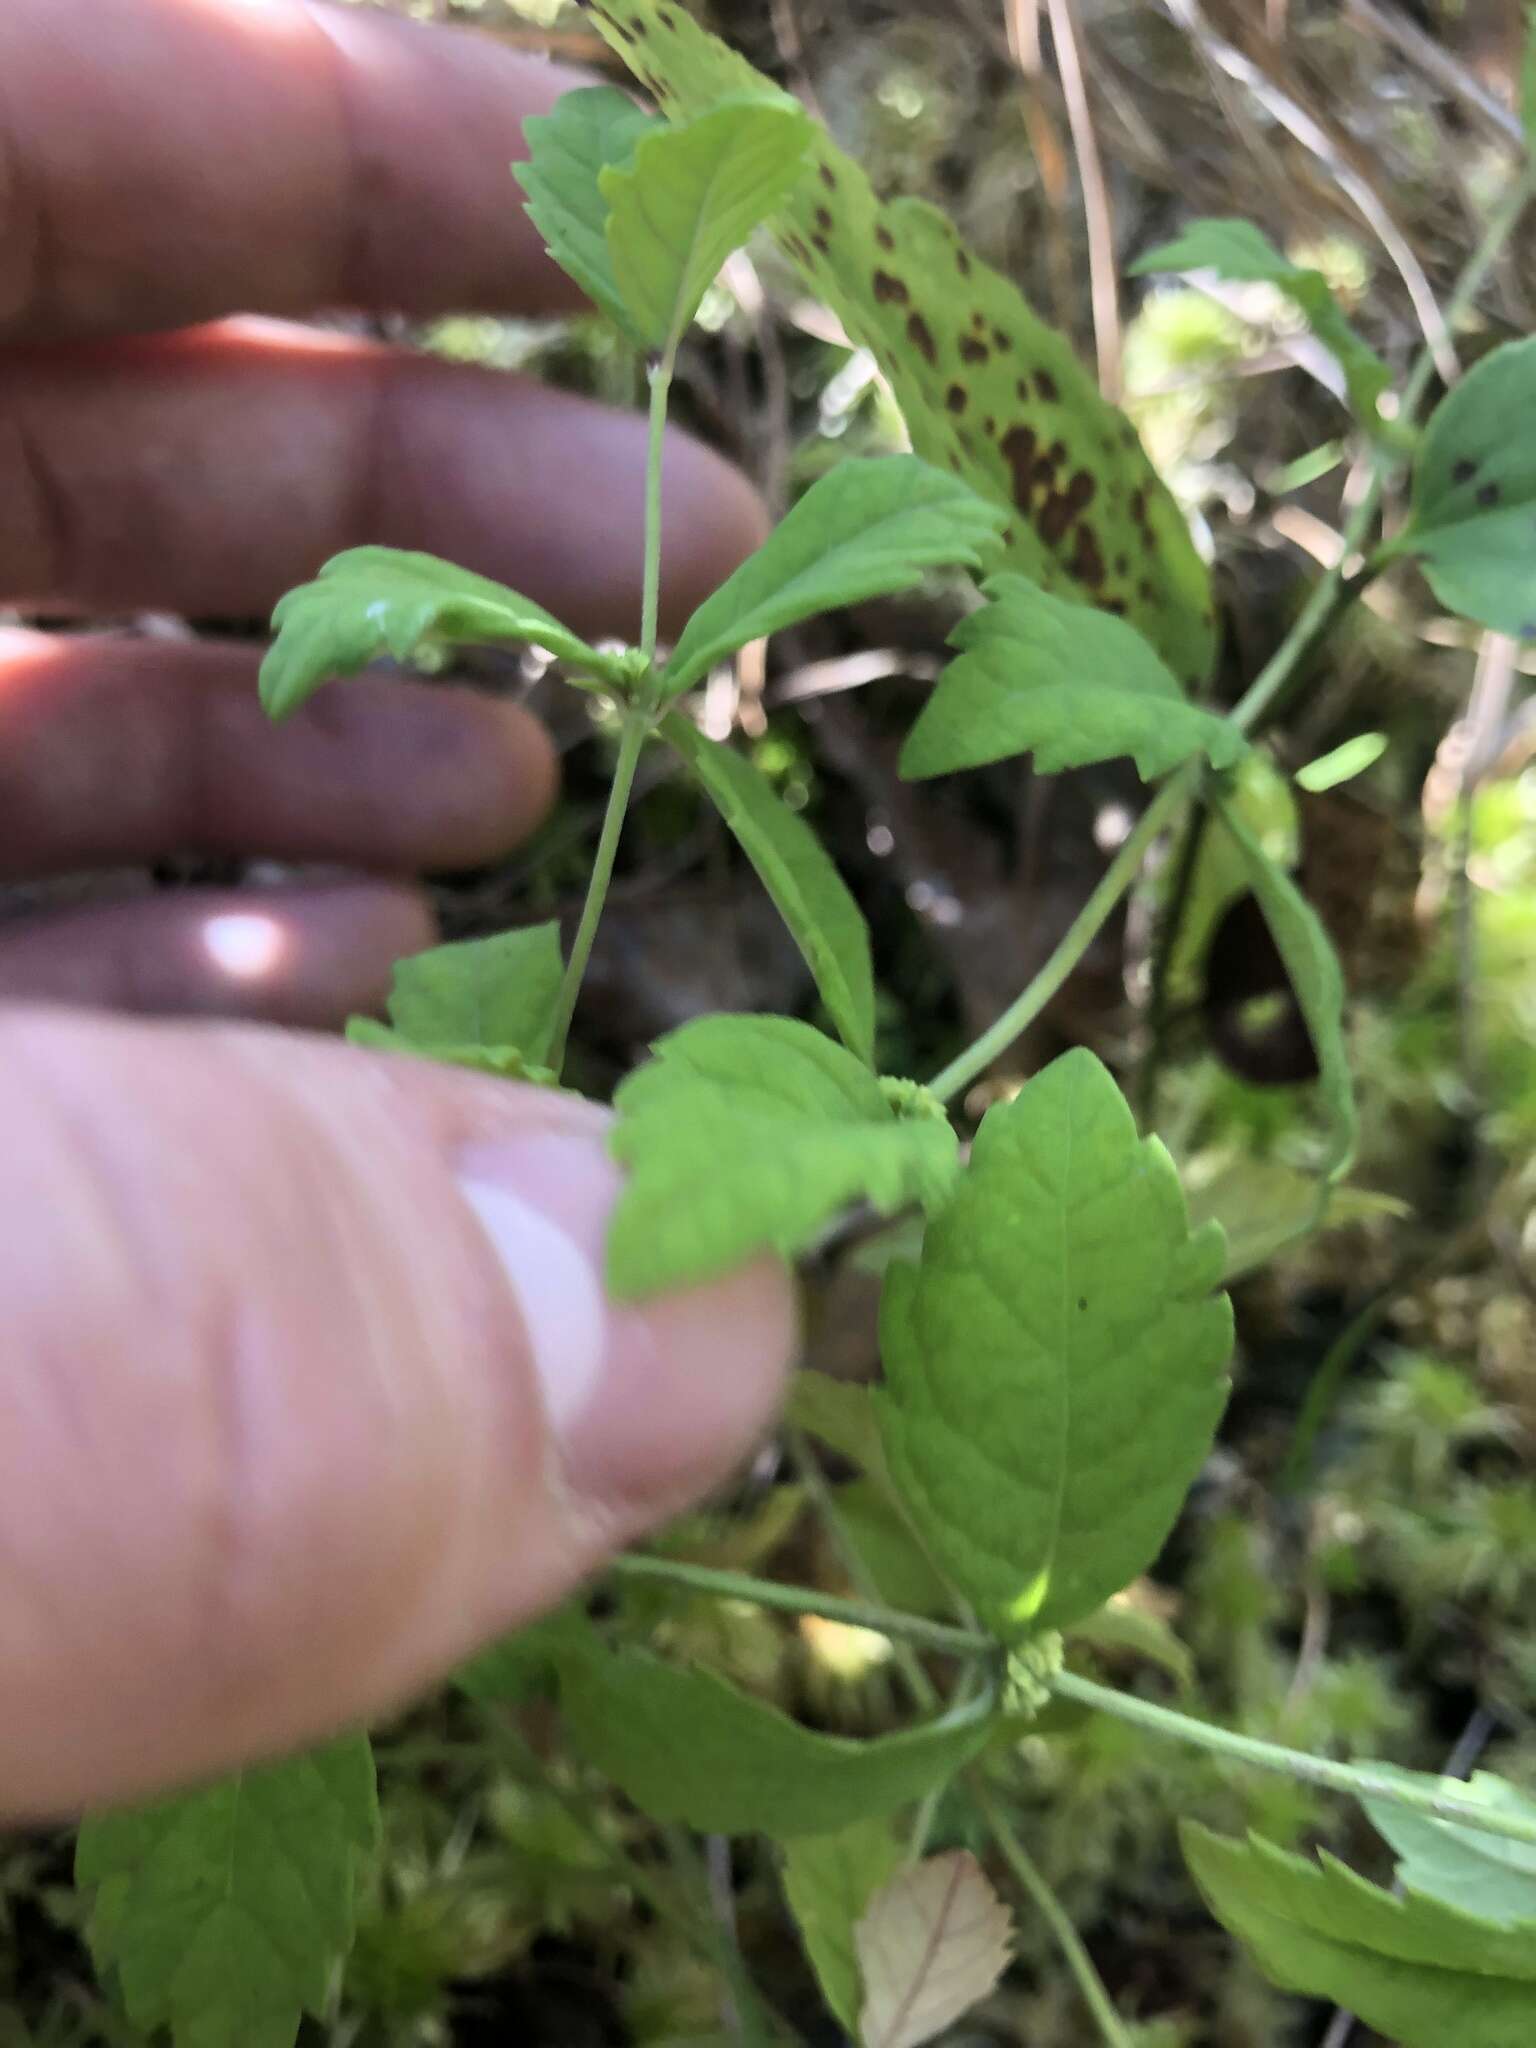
(170, 161)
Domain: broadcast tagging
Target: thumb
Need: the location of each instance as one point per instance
(311, 1386)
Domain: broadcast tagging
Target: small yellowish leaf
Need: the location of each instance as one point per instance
(932, 1943)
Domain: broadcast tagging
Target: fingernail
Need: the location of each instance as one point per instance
(644, 1402)
(543, 1202)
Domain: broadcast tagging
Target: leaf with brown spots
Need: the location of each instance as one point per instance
(936, 318)
(1473, 524)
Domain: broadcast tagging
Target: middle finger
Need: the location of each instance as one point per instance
(115, 749)
(207, 472)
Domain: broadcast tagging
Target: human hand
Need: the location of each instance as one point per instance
(310, 1381)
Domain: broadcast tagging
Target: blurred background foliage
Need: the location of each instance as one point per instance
(1356, 1572)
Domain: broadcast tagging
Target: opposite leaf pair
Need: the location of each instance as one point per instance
(868, 529)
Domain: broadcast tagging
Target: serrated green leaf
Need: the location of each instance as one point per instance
(690, 194)
(374, 601)
(1313, 967)
(867, 528)
(224, 1912)
(498, 991)
(988, 391)
(1342, 763)
(1244, 254)
(686, 1746)
(750, 1133)
(488, 1004)
(1054, 1363)
(1491, 1876)
(1472, 523)
(828, 1881)
(588, 130)
(793, 866)
(1040, 674)
(1419, 1972)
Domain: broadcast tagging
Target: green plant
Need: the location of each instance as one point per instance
(1055, 1335)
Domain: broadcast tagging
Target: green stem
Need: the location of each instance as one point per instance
(924, 1692)
(922, 1823)
(1084, 929)
(885, 1621)
(1111, 2028)
(1325, 605)
(632, 738)
(1327, 601)
(1356, 1781)
(1501, 226)
(638, 715)
(1164, 945)
(1323, 1387)
(974, 1679)
(650, 605)
(1339, 587)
